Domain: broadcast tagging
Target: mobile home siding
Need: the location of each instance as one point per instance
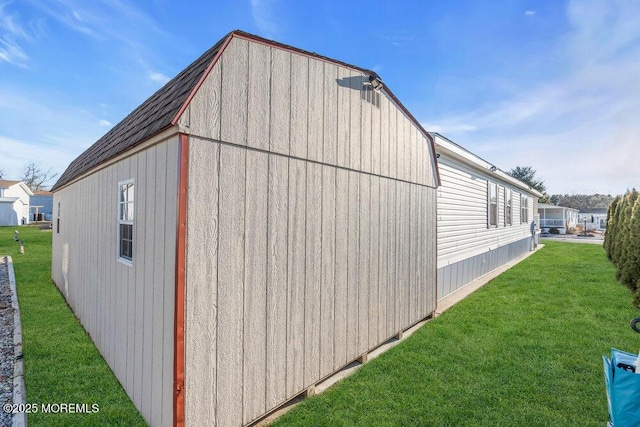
(126, 309)
(467, 246)
(287, 279)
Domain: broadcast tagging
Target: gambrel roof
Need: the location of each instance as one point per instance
(163, 109)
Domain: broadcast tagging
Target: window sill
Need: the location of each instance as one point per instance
(126, 262)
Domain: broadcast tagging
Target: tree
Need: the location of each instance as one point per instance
(1, 174)
(527, 175)
(631, 270)
(624, 238)
(582, 201)
(612, 227)
(37, 178)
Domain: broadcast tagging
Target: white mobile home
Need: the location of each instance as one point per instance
(14, 202)
(593, 218)
(561, 218)
(484, 216)
(264, 219)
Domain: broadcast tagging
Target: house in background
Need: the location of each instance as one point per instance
(260, 222)
(14, 203)
(560, 217)
(484, 216)
(593, 218)
(41, 205)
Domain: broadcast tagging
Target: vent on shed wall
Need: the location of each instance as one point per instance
(370, 95)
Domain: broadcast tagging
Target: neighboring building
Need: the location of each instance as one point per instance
(560, 217)
(261, 221)
(484, 216)
(593, 218)
(41, 204)
(14, 203)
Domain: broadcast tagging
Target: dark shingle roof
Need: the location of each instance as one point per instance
(150, 118)
(594, 211)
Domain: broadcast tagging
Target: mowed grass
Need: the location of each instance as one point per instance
(61, 363)
(526, 349)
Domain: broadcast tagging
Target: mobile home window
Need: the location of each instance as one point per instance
(507, 206)
(493, 204)
(125, 220)
(524, 209)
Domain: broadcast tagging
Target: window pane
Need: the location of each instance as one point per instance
(126, 241)
(128, 211)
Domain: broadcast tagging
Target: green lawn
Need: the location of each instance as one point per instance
(61, 363)
(524, 350)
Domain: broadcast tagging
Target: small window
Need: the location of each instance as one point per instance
(58, 220)
(125, 220)
(370, 95)
(507, 207)
(524, 209)
(493, 204)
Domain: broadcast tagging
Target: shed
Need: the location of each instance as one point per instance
(484, 216)
(261, 221)
(14, 202)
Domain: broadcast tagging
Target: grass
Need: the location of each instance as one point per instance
(61, 363)
(524, 350)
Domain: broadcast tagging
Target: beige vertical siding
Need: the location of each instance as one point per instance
(304, 249)
(127, 310)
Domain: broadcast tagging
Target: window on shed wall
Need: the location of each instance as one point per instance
(507, 207)
(125, 221)
(524, 209)
(493, 204)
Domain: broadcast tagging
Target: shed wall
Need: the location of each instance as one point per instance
(464, 237)
(310, 241)
(128, 310)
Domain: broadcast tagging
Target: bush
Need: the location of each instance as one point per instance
(554, 230)
(622, 240)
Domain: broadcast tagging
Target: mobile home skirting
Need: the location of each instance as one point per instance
(459, 274)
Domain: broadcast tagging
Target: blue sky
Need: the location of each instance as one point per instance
(550, 84)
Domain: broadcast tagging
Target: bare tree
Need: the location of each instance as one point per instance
(1, 174)
(37, 178)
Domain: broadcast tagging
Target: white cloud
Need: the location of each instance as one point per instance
(262, 13)
(11, 33)
(38, 127)
(105, 123)
(579, 129)
(159, 78)
(529, 13)
(16, 153)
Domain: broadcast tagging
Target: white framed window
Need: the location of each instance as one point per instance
(492, 208)
(524, 209)
(508, 216)
(125, 221)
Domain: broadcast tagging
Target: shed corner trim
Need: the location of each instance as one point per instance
(180, 271)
